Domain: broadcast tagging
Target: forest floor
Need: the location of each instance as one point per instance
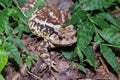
(65, 70)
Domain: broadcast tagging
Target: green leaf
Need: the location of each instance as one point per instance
(74, 7)
(78, 51)
(29, 60)
(4, 23)
(4, 3)
(82, 68)
(77, 16)
(68, 54)
(23, 17)
(95, 4)
(29, 12)
(40, 3)
(90, 55)
(118, 1)
(17, 42)
(111, 36)
(99, 21)
(98, 39)
(3, 61)
(110, 19)
(110, 57)
(21, 2)
(20, 29)
(1, 77)
(84, 35)
(4, 52)
(0, 41)
(9, 47)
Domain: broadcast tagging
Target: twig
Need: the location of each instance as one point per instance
(38, 78)
(104, 65)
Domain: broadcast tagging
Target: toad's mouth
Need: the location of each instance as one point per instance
(65, 37)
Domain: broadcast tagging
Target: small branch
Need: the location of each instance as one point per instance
(37, 78)
(104, 65)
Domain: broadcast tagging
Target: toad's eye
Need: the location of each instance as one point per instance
(48, 24)
(47, 21)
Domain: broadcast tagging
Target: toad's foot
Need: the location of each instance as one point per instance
(41, 50)
(53, 66)
(48, 65)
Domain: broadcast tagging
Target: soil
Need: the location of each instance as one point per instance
(64, 69)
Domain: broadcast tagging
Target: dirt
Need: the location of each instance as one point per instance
(64, 69)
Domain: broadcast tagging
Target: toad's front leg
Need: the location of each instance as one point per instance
(42, 48)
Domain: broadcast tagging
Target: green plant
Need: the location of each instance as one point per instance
(13, 23)
(95, 25)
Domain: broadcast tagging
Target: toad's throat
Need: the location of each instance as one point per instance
(44, 29)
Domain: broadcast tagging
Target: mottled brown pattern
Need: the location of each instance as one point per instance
(49, 15)
(29, 4)
(43, 14)
(48, 24)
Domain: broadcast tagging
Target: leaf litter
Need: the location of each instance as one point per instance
(65, 70)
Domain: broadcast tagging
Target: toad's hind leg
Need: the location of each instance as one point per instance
(43, 47)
